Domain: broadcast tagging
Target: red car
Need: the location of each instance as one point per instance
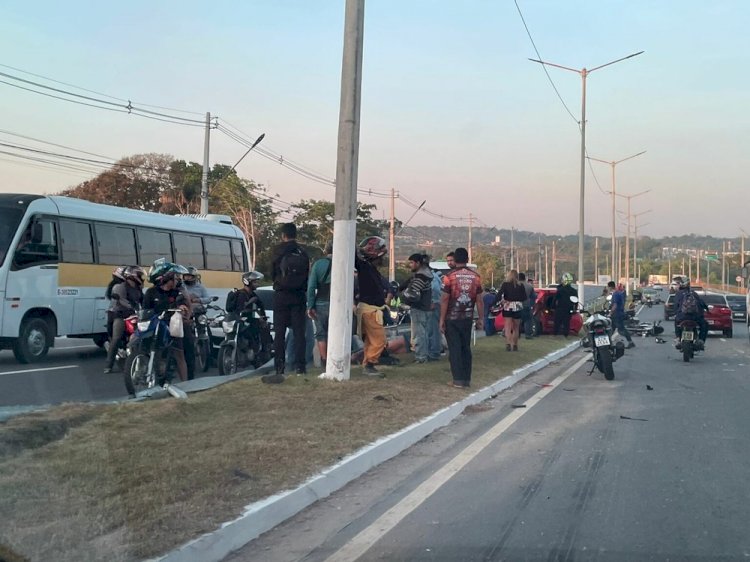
(719, 314)
(544, 314)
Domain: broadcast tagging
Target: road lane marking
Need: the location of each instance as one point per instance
(366, 538)
(38, 370)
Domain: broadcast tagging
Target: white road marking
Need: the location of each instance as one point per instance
(362, 542)
(38, 370)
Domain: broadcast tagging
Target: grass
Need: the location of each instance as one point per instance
(129, 481)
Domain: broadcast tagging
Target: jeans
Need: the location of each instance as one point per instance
(527, 321)
(289, 314)
(458, 334)
(619, 321)
(419, 322)
(435, 342)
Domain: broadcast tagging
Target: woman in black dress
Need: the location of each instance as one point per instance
(511, 296)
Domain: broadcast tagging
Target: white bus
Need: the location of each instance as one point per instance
(57, 255)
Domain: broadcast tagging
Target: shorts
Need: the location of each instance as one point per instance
(512, 314)
(322, 311)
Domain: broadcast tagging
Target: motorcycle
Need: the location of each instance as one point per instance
(247, 341)
(149, 362)
(606, 346)
(203, 347)
(648, 301)
(689, 342)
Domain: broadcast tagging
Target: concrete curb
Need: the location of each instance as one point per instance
(266, 514)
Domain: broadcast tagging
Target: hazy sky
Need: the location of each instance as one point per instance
(452, 110)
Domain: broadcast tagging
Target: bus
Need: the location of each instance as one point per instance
(57, 255)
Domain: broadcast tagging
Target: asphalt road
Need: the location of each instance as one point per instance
(589, 470)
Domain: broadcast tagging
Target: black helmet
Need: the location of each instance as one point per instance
(251, 277)
(373, 247)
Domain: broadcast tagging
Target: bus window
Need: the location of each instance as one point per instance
(116, 244)
(218, 254)
(188, 250)
(77, 245)
(238, 256)
(9, 220)
(38, 244)
(154, 244)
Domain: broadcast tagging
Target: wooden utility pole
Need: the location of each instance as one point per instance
(471, 220)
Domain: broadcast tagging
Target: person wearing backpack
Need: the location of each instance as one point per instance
(319, 299)
(689, 306)
(527, 319)
(418, 295)
(290, 272)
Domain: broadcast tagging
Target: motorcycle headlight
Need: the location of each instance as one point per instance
(202, 320)
(228, 326)
(143, 326)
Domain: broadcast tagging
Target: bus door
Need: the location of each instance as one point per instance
(32, 278)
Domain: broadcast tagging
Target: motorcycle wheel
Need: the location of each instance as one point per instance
(226, 363)
(687, 351)
(134, 372)
(203, 355)
(604, 362)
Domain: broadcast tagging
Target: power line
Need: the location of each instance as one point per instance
(52, 144)
(533, 44)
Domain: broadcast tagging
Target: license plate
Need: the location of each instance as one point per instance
(710, 322)
(600, 341)
(687, 336)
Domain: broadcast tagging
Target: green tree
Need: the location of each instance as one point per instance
(489, 266)
(314, 220)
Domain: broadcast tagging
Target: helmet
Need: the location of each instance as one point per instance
(251, 277)
(119, 272)
(683, 281)
(192, 272)
(135, 273)
(394, 287)
(567, 278)
(373, 247)
(158, 270)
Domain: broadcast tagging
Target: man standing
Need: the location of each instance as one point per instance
(290, 271)
(563, 305)
(450, 259)
(418, 295)
(319, 299)
(371, 301)
(527, 318)
(617, 312)
(461, 289)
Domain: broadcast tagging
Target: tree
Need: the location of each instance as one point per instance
(314, 220)
(488, 266)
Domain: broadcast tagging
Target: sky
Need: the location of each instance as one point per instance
(453, 112)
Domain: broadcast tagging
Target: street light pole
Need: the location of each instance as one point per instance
(627, 241)
(613, 164)
(583, 73)
(635, 238)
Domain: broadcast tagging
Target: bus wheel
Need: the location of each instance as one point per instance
(33, 341)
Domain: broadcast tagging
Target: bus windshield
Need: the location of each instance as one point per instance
(9, 219)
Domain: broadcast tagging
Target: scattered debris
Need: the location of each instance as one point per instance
(518, 405)
(632, 419)
(547, 385)
(660, 340)
(241, 474)
(649, 387)
(569, 389)
(477, 408)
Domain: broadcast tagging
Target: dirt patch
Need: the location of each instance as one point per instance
(137, 479)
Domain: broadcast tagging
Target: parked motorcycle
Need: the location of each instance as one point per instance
(203, 346)
(247, 341)
(689, 342)
(606, 346)
(149, 360)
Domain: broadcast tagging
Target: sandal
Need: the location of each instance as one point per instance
(515, 348)
(507, 347)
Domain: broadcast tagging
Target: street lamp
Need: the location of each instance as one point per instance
(583, 73)
(635, 238)
(627, 241)
(613, 164)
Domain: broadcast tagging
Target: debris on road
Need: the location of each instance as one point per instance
(632, 419)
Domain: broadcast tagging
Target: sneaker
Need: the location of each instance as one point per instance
(515, 348)
(389, 360)
(454, 384)
(370, 370)
(631, 345)
(432, 359)
(107, 370)
(276, 378)
(420, 361)
(300, 372)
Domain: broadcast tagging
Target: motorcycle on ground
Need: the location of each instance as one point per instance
(149, 359)
(605, 344)
(689, 342)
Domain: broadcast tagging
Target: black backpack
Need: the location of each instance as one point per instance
(232, 301)
(294, 269)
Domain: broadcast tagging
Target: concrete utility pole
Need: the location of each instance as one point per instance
(742, 256)
(546, 265)
(627, 240)
(583, 73)
(512, 249)
(471, 221)
(392, 239)
(338, 363)
(554, 262)
(204, 176)
(596, 260)
(539, 264)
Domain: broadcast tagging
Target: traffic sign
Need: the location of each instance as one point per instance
(711, 257)
(738, 279)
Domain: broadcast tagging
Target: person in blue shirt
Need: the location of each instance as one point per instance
(319, 299)
(434, 339)
(617, 311)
